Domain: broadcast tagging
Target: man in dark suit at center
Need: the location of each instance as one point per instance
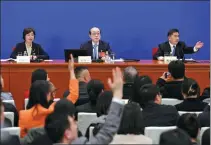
(95, 45)
(175, 47)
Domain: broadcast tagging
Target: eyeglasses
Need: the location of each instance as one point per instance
(95, 34)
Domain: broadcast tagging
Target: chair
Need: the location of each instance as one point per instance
(10, 116)
(184, 112)
(91, 131)
(170, 101)
(10, 101)
(203, 129)
(12, 130)
(154, 51)
(125, 101)
(207, 100)
(84, 120)
(155, 132)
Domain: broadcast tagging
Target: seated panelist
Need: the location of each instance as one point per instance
(95, 46)
(28, 47)
(175, 47)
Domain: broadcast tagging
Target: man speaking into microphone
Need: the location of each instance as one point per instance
(175, 47)
(96, 47)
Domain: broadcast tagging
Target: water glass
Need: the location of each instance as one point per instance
(112, 56)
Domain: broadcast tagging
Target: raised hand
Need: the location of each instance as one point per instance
(117, 84)
(199, 45)
(71, 67)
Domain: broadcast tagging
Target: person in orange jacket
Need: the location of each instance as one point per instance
(39, 105)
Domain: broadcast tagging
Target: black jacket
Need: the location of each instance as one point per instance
(36, 48)
(204, 117)
(181, 49)
(88, 107)
(10, 108)
(159, 115)
(191, 104)
(103, 47)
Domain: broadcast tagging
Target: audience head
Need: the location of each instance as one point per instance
(61, 128)
(94, 88)
(28, 35)
(39, 94)
(82, 74)
(149, 93)
(39, 74)
(103, 103)
(132, 120)
(206, 137)
(129, 74)
(177, 69)
(175, 137)
(190, 89)
(2, 112)
(190, 124)
(173, 36)
(95, 34)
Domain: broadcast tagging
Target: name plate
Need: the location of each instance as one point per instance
(23, 59)
(168, 59)
(84, 59)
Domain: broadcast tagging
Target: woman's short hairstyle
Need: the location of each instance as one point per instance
(27, 31)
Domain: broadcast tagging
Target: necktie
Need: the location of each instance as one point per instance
(95, 53)
(173, 51)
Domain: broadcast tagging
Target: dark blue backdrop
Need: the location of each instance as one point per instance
(132, 28)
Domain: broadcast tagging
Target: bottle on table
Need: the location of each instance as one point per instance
(25, 53)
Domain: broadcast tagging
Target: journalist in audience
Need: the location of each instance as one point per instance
(83, 76)
(170, 82)
(38, 74)
(204, 117)
(94, 89)
(154, 113)
(191, 93)
(206, 137)
(129, 76)
(131, 130)
(175, 137)
(62, 128)
(190, 124)
(39, 102)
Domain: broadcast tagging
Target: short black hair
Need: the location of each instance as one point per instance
(27, 31)
(91, 32)
(103, 103)
(175, 137)
(189, 123)
(132, 120)
(206, 137)
(177, 69)
(190, 87)
(39, 74)
(78, 70)
(94, 88)
(171, 31)
(129, 74)
(55, 126)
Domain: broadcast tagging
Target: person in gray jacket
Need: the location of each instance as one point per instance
(62, 129)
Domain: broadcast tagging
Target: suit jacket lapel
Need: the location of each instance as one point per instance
(91, 48)
(168, 47)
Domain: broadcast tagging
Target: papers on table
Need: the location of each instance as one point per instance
(9, 59)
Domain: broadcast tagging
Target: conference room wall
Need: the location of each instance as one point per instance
(132, 28)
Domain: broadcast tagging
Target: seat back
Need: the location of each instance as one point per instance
(10, 101)
(84, 120)
(155, 132)
(91, 131)
(125, 101)
(170, 101)
(10, 116)
(203, 129)
(184, 112)
(12, 130)
(154, 51)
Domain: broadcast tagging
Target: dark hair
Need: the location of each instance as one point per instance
(175, 137)
(39, 74)
(38, 94)
(132, 120)
(129, 74)
(177, 69)
(27, 31)
(171, 31)
(189, 123)
(206, 137)
(190, 87)
(91, 32)
(55, 126)
(148, 94)
(103, 103)
(94, 88)
(79, 70)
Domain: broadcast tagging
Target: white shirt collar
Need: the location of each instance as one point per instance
(95, 43)
(171, 45)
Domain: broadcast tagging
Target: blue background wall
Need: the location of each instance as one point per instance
(132, 28)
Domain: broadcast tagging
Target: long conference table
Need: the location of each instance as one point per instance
(17, 77)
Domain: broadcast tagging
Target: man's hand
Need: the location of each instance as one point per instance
(117, 84)
(166, 76)
(71, 67)
(199, 45)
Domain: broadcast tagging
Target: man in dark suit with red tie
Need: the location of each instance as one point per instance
(95, 45)
(175, 47)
